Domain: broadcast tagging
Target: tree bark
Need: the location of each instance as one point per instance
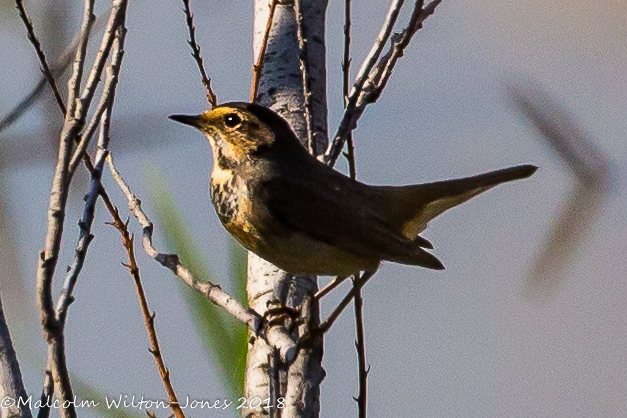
(281, 88)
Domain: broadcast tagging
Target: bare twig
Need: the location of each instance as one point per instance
(149, 319)
(349, 121)
(308, 337)
(84, 240)
(376, 77)
(116, 19)
(275, 335)
(360, 345)
(46, 395)
(74, 84)
(258, 67)
(211, 290)
(357, 285)
(346, 63)
(106, 99)
(329, 287)
(206, 81)
(45, 69)
(381, 74)
(108, 95)
(303, 57)
(74, 121)
(360, 342)
(11, 384)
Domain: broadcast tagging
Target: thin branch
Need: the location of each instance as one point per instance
(206, 81)
(212, 291)
(116, 20)
(84, 240)
(24, 104)
(45, 69)
(149, 319)
(349, 122)
(46, 395)
(57, 69)
(258, 67)
(303, 57)
(346, 63)
(329, 287)
(381, 74)
(360, 345)
(74, 84)
(11, 384)
(106, 98)
(276, 335)
(311, 335)
(74, 121)
(561, 131)
(357, 285)
(376, 78)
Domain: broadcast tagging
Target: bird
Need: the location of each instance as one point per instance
(301, 215)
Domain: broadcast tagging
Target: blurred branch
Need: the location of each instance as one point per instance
(591, 170)
(11, 384)
(258, 67)
(149, 319)
(206, 81)
(564, 135)
(56, 69)
(45, 69)
(371, 79)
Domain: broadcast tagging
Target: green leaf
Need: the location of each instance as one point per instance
(86, 392)
(224, 338)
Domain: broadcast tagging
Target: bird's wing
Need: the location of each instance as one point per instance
(340, 214)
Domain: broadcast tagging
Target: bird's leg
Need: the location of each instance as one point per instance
(276, 313)
(329, 287)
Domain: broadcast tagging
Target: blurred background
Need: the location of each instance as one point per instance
(528, 319)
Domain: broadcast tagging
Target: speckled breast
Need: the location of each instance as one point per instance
(232, 206)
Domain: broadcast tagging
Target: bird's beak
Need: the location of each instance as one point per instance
(190, 120)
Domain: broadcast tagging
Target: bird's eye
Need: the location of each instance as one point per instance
(232, 120)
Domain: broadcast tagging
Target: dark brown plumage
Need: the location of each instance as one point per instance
(303, 216)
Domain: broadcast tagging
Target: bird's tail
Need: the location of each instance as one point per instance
(410, 208)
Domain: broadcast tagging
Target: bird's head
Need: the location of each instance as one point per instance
(237, 131)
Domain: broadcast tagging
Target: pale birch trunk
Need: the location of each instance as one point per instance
(281, 89)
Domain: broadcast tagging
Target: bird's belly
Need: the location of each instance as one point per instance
(298, 254)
